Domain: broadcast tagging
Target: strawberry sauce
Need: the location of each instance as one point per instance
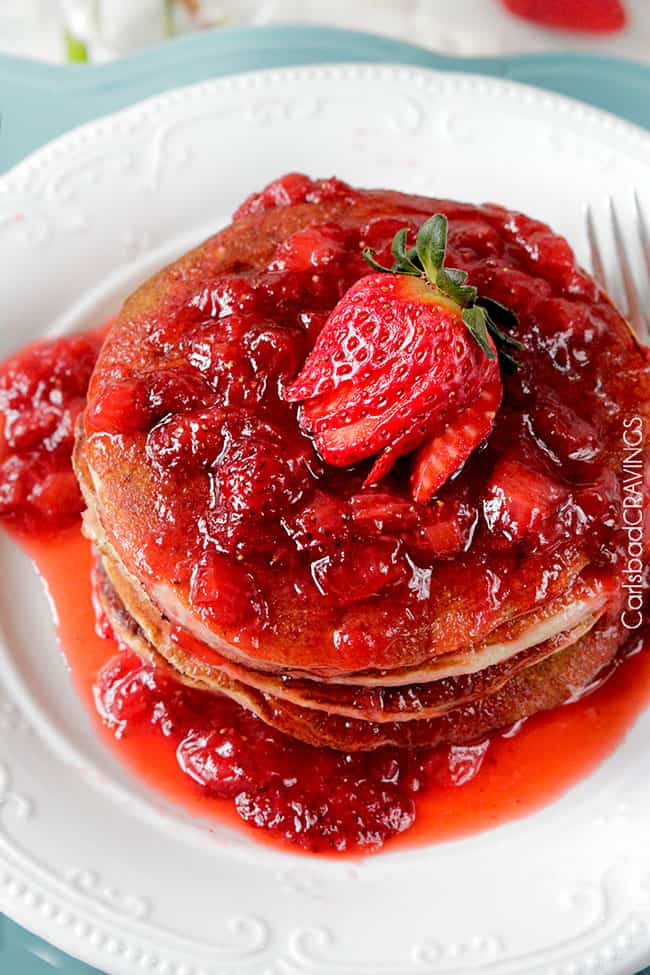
(334, 566)
(42, 391)
(216, 759)
(244, 515)
(315, 799)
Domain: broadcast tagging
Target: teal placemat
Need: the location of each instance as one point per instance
(39, 102)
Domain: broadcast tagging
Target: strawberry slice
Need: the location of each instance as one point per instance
(585, 16)
(406, 358)
(441, 456)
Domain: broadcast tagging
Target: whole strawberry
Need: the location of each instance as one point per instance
(406, 361)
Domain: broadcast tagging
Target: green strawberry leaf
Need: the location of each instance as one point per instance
(368, 256)
(398, 247)
(456, 275)
(476, 320)
(404, 260)
(504, 337)
(431, 244)
(508, 362)
(498, 312)
(484, 317)
(401, 266)
(462, 294)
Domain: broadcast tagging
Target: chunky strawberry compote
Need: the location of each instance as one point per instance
(303, 564)
(381, 507)
(42, 391)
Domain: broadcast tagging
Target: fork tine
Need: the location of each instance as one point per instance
(644, 237)
(643, 233)
(596, 256)
(634, 313)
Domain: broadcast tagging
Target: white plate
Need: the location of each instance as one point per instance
(90, 859)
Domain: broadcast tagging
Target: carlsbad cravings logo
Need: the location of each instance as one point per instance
(633, 513)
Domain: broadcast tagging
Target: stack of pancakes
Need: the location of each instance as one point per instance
(453, 674)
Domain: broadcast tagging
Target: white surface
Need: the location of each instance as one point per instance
(462, 27)
(88, 858)
(33, 28)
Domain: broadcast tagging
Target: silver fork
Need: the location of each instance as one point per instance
(638, 318)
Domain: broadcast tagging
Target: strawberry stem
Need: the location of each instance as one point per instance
(485, 318)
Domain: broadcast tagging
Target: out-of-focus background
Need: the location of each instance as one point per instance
(101, 30)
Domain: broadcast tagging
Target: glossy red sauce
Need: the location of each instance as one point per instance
(387, 796)
(257, 532)
(42, 391)
(205, 751)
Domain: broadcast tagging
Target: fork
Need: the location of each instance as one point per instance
(637, 317)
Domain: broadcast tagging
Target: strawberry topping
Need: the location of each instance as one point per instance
(406, 360)
(520, 501)
(439, 457)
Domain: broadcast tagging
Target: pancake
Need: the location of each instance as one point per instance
(343, 613)
(385, 703)
(573, 611)
(537, 687)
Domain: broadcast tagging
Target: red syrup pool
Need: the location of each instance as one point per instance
(314, 799)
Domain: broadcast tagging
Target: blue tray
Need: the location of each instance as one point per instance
(39, 102)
